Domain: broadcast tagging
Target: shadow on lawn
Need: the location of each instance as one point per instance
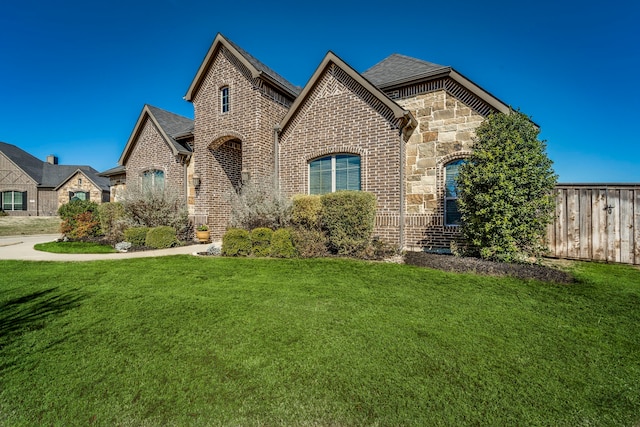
(32, 312)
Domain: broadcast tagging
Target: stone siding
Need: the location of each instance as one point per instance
(79, 182)
(445, 132)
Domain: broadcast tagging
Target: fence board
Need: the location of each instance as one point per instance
(596, 222)
(586, 232)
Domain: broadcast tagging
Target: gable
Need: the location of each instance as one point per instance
(334, 78)
(23, 161)
(167, 125)
(249, 66)
(403, 77)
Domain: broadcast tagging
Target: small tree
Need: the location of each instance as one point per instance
(505, 190)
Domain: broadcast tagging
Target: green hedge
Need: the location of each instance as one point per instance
(348, 218)
(137, 236)
(282, 244)
(261, 241)
(161, 237)
(307, 211)
(236, 242)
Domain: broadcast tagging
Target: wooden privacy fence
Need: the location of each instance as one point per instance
(598, 222)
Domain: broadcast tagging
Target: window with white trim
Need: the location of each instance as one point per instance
(153, 180)
(333, 173)
(224, 99)
(14, 200)
(451, 213)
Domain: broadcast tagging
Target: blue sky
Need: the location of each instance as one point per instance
(74, 75)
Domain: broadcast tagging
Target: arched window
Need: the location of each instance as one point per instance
(451, 213)
(153, 180)
(14, 200)
(333, 173)
(224, 99)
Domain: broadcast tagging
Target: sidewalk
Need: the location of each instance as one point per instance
(21, 248)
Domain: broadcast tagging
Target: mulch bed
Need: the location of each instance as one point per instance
(479, 266)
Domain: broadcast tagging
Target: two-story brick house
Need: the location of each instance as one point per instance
(398, 130)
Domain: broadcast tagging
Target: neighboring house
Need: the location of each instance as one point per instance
(29, 186)
(398, 130)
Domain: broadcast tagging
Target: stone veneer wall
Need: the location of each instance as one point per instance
(335, 120)
(152, 152)
(73, 185)
(445, 132)
(227, 143)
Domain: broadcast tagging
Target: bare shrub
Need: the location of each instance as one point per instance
(257, 204)
(152, 207)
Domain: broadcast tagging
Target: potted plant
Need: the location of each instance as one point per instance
(203, 234)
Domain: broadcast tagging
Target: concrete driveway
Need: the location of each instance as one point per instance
(21, 248)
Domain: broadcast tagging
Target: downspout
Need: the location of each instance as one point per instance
(402, 189)
(276, 157)
(408, 127)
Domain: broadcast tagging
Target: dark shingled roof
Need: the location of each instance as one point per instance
(25, 161)
(265, 69)
(173, 125)
(398, 69)
(47, 175)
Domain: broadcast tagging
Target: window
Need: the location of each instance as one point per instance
(224, 99)
(14, 200)
(153, 180)
(451, 213)
(334, 173)
(78, 195)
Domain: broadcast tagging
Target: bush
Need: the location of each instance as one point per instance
(259, 204)
(79, 219)
(137, 236)
(236, 242)
(282, 244)
(261, 241)
(151, 207)
(161, 237)
(112, 221)
(306, 211)
(505, 190)
(310, 243)
(348, 218)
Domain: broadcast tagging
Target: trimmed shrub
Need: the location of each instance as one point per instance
(137, 236)
(236, 242)
(261, 241)
(306, 211)
(348, 218)
(282, 244)
(310, 243)
(161, 237)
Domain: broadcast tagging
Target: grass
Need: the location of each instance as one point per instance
(28, 225)
(218, 341)
(74, 248)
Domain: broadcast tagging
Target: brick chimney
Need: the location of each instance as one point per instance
(51, 159)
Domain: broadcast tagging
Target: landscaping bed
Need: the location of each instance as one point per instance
(458, 264)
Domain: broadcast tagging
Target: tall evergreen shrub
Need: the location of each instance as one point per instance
(348, 218)
(505, 190)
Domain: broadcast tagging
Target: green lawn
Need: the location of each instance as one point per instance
(74, 248)
(216, 341)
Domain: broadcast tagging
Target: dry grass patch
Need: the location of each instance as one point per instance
(29, 225)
